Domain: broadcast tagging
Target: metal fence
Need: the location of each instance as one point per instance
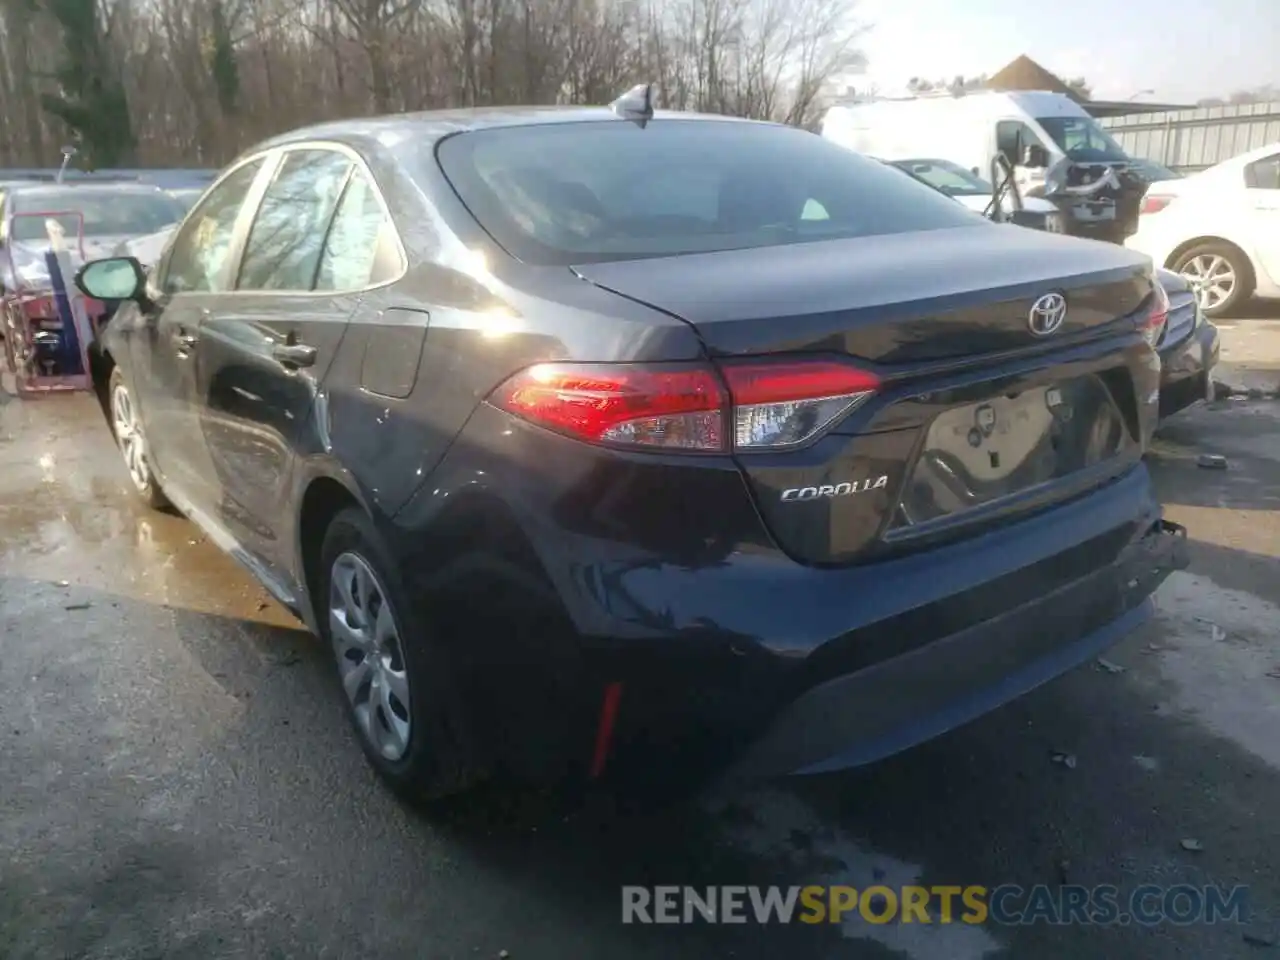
(1190, 140)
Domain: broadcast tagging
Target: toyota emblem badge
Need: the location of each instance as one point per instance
(1047, 314)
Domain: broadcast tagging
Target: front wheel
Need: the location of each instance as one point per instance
(396, 678)
(1219, 274)
(131, 438)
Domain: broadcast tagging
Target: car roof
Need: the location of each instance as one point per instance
(434, 125)
(1246, 158)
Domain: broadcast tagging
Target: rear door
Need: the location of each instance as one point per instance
(309, 257)
(188, 285)
(1262, 189)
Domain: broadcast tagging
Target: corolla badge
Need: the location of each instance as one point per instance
(1047, 314)
(829, 491)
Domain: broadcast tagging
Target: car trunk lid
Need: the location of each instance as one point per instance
(896, 299)
(976, 417)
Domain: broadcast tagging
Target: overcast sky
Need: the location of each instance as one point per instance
(1182, 49)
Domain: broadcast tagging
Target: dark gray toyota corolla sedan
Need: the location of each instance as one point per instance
(574, 436)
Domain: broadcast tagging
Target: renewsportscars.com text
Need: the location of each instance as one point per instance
(1007, 905)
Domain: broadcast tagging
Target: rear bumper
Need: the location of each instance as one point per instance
(1187, 369)
(844, 667)
(886, 708)
(719, 640)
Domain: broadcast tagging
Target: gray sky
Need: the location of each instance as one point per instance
(1182, 49)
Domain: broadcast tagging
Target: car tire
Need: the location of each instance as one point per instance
(1202, 262)
(131, 439)
(396, 680)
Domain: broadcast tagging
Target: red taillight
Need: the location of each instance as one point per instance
(1154, 204)
(780, 405)
(1152, 325)
(685, 407)
(674, 406)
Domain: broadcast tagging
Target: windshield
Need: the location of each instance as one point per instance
(565, 193)
(105, 213)
(1082, 139)
(951, 178)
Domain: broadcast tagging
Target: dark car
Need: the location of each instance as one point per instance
(572, 434)
(1188, 347)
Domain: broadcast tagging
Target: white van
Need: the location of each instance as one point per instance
(1048, 137)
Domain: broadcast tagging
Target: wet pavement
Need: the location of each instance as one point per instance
(177, 778)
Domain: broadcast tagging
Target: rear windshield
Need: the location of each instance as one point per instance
(559, 194)
(103, 212)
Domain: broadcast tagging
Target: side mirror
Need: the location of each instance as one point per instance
(114, 278)
(1035, 157)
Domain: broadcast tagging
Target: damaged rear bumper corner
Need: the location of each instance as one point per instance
(886, 708)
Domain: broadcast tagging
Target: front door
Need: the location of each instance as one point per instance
(308, 257)
(188, 284)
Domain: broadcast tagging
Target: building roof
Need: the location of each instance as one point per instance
(1023, 73)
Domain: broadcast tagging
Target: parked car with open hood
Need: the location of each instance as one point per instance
(971, 190)
(570, 429)
(1055, 149)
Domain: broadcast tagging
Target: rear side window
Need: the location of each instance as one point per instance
(359, 232)
(1263, 174)
(567, 193)
(287, 238)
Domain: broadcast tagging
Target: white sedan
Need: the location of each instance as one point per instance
(1219, 228)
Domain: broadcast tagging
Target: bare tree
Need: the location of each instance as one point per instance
(203, 79)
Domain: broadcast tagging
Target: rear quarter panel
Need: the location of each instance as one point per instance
(474, 317)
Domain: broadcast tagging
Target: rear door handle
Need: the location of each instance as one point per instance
(183, 340)
(294, 355)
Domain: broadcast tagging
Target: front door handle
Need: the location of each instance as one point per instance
(184, 341)
(294, 355)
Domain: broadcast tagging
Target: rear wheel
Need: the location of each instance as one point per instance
(126, 424)
(397, 681)
(1220, 275)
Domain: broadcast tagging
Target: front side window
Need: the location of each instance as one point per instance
(1263, 174)
(568, 193)
(198, 257)
(1082, 139)
(1012, 139)
(285, 242)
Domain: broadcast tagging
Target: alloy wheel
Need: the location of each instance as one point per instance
(133, 444)
(1212, 278)
(368, 646)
